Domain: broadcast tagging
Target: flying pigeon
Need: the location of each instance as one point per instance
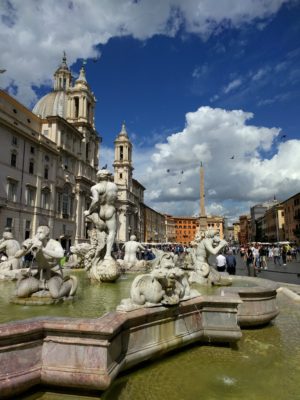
(283, 136)
(168, 170)
(2, 71)
(104, 166)
(231, 158)
(179, 183)
(182, 171)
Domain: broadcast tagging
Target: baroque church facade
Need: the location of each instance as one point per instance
(49, 159)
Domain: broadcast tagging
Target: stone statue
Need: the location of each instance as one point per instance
(102, 212)
(47, 284)
(10, 247)
(204, 245)
(130, 262)
(165, 285)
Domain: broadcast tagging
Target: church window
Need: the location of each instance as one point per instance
(121, 153)
(12, 190)
(14, 141)
(31, 149)
(121, 175)
(88, 111)
(13, 159)
(76, 106)
(9, 222)
(31, 167)
(45, 198)
(64, 83)
(46, 172)
(87, 151)
(30, 196)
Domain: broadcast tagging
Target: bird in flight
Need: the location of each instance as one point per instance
(168, 170)
(182, 171)
(283, 136)
(179, 183)
(2, 71)
(231, 158)
(104, 166)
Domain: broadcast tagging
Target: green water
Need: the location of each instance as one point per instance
(91, 300)
(264, 365)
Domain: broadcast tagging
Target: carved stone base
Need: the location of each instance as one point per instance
(105, 271)
(13, 274)
(139, 266)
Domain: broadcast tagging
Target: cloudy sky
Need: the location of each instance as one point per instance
(208, 81)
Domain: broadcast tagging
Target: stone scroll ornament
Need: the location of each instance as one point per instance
(98, 260)
(45, 282)
(165, 285)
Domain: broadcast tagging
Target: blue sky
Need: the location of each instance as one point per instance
(195, 81)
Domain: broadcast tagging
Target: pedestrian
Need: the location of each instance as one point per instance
(284, 255)
(230, 263)
(221, 262)
(263, 257)
(249, 262)
(276, 255)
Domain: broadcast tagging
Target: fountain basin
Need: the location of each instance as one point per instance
(89, 353)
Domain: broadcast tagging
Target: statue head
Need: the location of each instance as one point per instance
(211, 233)
(7, 235)
(104, 175)
(43, 232)
(133, 238)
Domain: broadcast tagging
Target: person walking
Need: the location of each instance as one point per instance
(230, 263)
(276, 254)
(221, 262)
(249, 262)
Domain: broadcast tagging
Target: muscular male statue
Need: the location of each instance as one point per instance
(131, 247)
(10, 247)
(102, 211)
(47, 253)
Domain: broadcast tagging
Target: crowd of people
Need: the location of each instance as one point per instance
(258, 256)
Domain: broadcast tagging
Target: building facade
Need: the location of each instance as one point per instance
(49, 159)
(154, 226)
(291, 208)
(170, 229)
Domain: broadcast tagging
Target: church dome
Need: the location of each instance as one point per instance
(54, 103)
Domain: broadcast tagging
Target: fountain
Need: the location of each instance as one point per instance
(164, 313)
(46, 284)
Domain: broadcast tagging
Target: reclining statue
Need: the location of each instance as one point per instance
(48, 281)
(130, 262)
(203, 246)
(165, 285)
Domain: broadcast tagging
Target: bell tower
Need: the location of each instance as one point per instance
(123, 159)
(62, 76)
(81, 103)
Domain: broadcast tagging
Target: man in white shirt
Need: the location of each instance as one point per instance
(221, 262)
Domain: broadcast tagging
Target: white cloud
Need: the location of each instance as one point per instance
(232, 85)
(213, 136)
(33, 33)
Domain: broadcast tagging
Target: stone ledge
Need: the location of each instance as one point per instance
(89, 353)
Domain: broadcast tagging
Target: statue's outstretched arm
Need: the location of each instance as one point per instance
(215, 250)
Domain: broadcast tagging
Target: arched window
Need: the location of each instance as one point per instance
(46, 172)
(76, 107)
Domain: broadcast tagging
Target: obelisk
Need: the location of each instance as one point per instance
(203, 217)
